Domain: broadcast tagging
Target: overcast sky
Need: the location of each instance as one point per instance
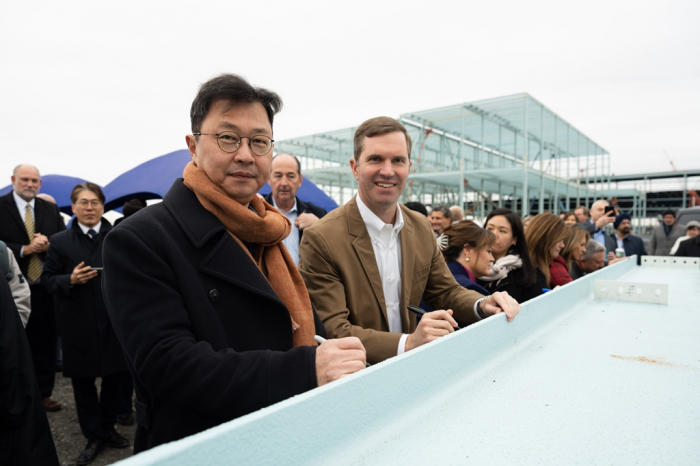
(92, 89)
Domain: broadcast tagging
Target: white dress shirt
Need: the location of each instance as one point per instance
(386, 244)
(22, 207)
(86, 229)
(291, 241)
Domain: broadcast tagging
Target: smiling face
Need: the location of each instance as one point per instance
(26, 182)
(242, 173)
(381, 172)
(88, 208)
(438, 221)
(500, 226)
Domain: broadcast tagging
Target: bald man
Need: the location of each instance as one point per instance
(285, 180)
(26, 226)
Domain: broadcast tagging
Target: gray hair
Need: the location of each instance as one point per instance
(14, 171)
(593, 248)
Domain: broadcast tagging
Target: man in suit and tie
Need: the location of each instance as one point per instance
(364, 262)
(285, 180)
(27, 224)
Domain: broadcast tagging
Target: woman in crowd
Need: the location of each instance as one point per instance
(467, 248)
(569, 218)
(575, 245)
(512, 270)
(545, 239)
(526, 221)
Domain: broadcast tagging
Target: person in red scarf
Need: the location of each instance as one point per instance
(211, 311)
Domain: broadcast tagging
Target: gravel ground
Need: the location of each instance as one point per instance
(66, 430)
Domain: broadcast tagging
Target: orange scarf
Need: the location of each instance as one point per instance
(266, 231)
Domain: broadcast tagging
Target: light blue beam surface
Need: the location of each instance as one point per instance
(571, 380)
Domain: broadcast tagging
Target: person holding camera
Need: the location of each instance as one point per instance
(90, 347)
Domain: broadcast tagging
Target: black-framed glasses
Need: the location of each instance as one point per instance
(230, 142)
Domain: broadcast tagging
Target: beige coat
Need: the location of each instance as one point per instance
(20, 289)
(339, 268)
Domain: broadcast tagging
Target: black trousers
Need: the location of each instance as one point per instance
(97, 414)
(126, 405)
(41, 333)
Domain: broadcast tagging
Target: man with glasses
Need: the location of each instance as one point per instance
(90, 346)
(212, 313)
(26, 225)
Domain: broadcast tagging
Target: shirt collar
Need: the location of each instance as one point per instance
(21, 203)
(375, 224)
(85, 229)
(293, 209)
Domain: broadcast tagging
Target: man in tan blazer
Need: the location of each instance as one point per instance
(364, 262)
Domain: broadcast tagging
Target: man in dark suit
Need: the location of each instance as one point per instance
(285, 180)
(689, 248)
(26, 225)
(621, 238)
(366, 261)
(593, 259)
(212, 314)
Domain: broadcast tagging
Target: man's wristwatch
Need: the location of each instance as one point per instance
(478, 309)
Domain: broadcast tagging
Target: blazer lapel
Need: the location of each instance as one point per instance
(365, 252)
(408, 245)
(13, 212)
(227, 260)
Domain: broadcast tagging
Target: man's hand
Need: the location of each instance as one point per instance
(500, 301)
(82, 274)
(613, 259)
(305, 220)
(605, 220)
(39, 243)
(337, 358)
(432, 326)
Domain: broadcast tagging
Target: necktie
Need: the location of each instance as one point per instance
(92, 233)
(34, 271)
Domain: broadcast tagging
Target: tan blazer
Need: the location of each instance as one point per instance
(339, 268)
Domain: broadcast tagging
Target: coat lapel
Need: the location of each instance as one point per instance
(12, 211)
(408, 245)
(227, 260)
(365, 252)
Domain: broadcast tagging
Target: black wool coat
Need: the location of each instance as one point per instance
(25, 435)
(90, 346)
(205, 336)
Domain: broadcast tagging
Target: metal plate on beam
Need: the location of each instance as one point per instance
(670, 261)
(613, 290)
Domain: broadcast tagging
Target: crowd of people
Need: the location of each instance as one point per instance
(209, 305)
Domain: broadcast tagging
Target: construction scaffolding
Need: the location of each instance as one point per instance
(505, 152)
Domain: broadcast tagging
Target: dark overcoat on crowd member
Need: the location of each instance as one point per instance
(689, 247)
(206, 338)
(90, 346)
(25, 435)
(302, 207)
(509, 284)
(47, 221)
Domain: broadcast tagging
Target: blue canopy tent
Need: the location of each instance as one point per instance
(58, 186)
(152, 179)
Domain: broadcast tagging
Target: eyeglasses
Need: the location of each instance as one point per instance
(230, 142)
(93, 202)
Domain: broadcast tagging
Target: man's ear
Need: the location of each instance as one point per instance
(353, 166)
(192, 147)
(301, 179)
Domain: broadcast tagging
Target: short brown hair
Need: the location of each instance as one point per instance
(87, 186)
(465, 233)
(376, 127)
(544, 231)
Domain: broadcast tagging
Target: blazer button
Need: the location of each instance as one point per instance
(213, 296)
